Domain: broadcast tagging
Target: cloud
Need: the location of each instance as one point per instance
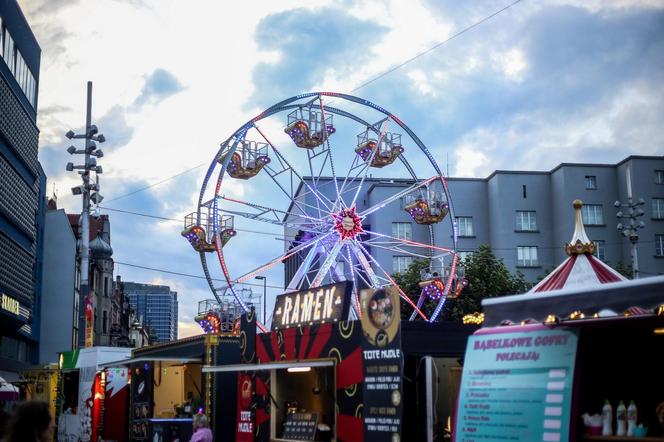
(159, 85)
(309, 44)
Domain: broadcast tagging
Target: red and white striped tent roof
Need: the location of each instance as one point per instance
(581, 269)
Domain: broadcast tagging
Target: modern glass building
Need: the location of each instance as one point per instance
(22, 184)
(155, 306)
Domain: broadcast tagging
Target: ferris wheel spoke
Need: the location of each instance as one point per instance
(301, 272)
(280, 259)
(329, 260)
(278, 214)
(392, 281)
(396, 196)
(392, 247)
(405, 242)
(320, 198)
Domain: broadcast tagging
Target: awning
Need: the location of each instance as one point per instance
(8, 392)
(605, 299)
(272, 366)
(168, 360)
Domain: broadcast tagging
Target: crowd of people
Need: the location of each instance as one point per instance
(31, 421)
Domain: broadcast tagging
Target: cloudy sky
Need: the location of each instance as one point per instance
(541, 83)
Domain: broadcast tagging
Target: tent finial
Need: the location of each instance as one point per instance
(580, 243)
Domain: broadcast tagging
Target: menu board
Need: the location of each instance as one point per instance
(300, 426)
(517, 386)
(382, 361)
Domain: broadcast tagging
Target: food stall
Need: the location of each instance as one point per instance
(81, 386)
(167, 387)
(318, 375)
(41, 384)
(544, 360)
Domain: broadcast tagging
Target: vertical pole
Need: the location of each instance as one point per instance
(264, 297)
(85, 228)
(633, 237)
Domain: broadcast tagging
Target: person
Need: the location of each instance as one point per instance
(201, 431)
(31, 422)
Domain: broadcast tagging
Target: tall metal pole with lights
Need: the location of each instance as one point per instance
(629, 211)
(90, 164)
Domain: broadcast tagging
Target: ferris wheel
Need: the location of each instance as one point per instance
(312, 164)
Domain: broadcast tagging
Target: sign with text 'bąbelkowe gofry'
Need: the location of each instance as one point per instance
(517, 385)
(327, 303)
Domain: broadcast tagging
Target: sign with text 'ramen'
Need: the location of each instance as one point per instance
(327, 303)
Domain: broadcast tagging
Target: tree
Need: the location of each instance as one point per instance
(487, 276)
(624, 269)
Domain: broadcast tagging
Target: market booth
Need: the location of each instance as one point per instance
(563, 361)
(319, 376)
(167, 388)
(82, 383)
(570, 351)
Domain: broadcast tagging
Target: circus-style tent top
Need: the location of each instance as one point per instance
(581, 269)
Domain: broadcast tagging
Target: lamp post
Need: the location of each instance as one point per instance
(629, 211)
(90, 164)
(264, 306)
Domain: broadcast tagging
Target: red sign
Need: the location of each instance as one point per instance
(244, 428)
(89, 323)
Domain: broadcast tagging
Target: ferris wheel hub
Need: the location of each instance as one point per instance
(347, 223)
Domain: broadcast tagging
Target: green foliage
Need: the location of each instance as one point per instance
(624, 269)
(487, 277)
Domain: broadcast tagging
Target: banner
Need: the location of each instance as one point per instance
(518, 386)
(244, 422)
(89, 323)
(382, 361)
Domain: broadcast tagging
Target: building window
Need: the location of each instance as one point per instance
(523, 188)
(465, 225)
(591, 182)
(659, 177)
(400, 263)
(104, 323)
(526, 221)
(592, 215)
(402, 230)
(600, 249)
(106, 286)
(658, 208)
(526, 256)
(659, 245)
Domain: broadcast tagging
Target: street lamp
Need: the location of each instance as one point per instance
(89, 165)
(629, 212)
(264, 279)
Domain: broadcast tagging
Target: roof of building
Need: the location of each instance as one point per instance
(96, 224)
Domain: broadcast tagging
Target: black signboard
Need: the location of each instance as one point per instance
(327, 303)
(300, 426)
(382, 361)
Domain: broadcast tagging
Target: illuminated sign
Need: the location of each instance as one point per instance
(327, 303)
(10, 304)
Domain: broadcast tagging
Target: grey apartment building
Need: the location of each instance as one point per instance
(156, 306)
(22, 184)
(526, 216)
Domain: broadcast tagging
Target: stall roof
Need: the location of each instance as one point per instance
(271, 366)
(149, 359)
(614, 299)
